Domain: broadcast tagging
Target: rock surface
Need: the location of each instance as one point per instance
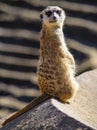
(81, 114)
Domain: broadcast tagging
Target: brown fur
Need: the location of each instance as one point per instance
(56, 68)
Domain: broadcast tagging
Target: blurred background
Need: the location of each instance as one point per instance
(19, 45)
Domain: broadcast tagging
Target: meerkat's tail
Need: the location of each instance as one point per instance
(31, 105)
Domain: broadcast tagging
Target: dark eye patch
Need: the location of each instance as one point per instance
(58, 12)
(48, 13)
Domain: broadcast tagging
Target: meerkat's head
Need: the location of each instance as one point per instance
(53, 16)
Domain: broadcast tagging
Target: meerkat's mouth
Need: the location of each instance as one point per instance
(53, 21)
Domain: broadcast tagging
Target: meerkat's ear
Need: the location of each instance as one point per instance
(41, 16)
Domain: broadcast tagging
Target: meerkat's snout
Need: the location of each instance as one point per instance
(52, 15)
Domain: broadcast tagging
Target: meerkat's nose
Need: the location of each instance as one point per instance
(54, 16)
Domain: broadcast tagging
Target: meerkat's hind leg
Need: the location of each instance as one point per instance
(66, 97)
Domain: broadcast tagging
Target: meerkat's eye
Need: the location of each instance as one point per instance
(48, 13)
(58, 12)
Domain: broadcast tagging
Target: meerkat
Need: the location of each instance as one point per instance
(56, 68)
